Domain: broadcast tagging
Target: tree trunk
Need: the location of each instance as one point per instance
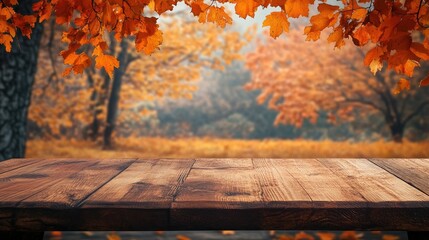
(397, 132)
(17, 70)
(112, 106)
(100, 100)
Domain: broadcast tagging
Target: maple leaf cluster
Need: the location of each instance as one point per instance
(389, 25)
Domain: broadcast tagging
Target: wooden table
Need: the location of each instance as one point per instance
(201, 194)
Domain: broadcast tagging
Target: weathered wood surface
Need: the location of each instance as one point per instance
(202, 194)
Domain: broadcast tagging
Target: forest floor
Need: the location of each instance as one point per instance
(206, 148)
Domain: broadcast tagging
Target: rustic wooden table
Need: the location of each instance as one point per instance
(206, 194)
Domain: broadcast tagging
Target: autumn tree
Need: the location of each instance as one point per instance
(387, 24)
(75, 103)
(18, 62)
(301, 80)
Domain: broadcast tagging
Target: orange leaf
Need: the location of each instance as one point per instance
(326, 235)
(78, 63)
(164, 5)
(390, 237)
(362, 36)
(372, 59)
(245, 8)
(6, 40)
(63, 11)
(359, 14)
(150, 39)
(182, 237)
(303, 236)
(420, 51)
(228, 232)
(424, 82)
(298, 8)
(337, 37)
(108, 62)
(278, 23)
(113, 236)
(215, 15)
(402, 84)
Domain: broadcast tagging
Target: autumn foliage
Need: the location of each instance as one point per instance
(74, 104)
(336, 82)
(388, 25)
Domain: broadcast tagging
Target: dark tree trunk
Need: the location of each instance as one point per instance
(112, 106)
(397, 132)
(100, 100)
(17, 70)
(100, 97)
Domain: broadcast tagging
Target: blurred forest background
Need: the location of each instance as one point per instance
(210, 92)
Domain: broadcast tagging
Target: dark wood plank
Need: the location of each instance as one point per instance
(139, 198)
(413, 171)
(219, 186)
(21, 235)
(72, 190)
(15, 163)
(218, 197)
(19, 184)
(64, 195)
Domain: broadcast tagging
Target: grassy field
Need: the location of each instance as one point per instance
(199, 147)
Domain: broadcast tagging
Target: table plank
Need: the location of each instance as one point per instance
(139, 198)
(224, 186)
(413, 171)
(219, 163)
(54, 205)
(72, 190)
(331, 203)
(144, 183)
(218, 196)
(278, 185)
(19, 184)
(374, 183)
(390, 200)
(16, 163)
(322, 185)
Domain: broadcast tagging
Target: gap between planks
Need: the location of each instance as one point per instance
(392, 172)
(81, 202)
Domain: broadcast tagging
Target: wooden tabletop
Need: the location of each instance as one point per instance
(197, 194)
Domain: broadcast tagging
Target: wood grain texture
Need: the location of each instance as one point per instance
(413, 171)
(21, 183)
(223, 163)
(15, 163)
(179, 194)
(72, 190)
(140, 197)
(322, 185)
(374, 183)
(146, 183)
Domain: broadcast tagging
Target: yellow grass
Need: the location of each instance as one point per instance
(199, 147)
